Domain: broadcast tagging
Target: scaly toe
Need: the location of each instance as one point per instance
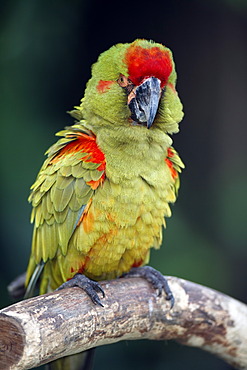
(89, 286)
(155, 278)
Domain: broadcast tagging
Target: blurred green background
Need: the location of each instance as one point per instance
(46, 50)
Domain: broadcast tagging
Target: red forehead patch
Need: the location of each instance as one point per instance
(143, 63)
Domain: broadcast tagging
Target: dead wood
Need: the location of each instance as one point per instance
(44, 328)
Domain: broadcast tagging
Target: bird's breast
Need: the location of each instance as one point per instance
(125, 221)
(125, 216)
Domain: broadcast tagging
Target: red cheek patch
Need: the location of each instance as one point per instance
(103, 86)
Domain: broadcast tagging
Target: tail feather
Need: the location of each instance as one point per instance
(31, 284)
(80, 361)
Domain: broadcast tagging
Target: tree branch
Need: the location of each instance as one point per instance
(44, 328)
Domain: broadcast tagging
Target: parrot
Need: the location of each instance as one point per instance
(100, 200)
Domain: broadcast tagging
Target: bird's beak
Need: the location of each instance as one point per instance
(144, 101)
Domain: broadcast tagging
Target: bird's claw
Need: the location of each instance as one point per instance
(155, 278)
(92, 288)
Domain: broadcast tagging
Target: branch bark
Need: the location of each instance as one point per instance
(44, 328)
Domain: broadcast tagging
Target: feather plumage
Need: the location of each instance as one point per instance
(59, 197)
(101, 196)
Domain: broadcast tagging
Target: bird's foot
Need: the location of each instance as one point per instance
(92, 288)
(155, 278)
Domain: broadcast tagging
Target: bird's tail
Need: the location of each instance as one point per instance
(80, 361)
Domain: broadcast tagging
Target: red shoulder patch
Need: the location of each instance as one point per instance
(143, 63)
(85, 144)
(169, 163)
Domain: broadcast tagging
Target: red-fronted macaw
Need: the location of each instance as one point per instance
(101, 196)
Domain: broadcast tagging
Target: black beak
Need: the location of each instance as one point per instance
(145, 104)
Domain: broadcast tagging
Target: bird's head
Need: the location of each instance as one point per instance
(134, 85)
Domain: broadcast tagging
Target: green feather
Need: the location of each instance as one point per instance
(66, 170)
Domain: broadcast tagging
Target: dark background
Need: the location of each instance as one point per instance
(46, 50)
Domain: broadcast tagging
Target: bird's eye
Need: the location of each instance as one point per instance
(123, 81)
(126, 83)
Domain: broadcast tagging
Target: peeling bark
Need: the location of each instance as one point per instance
(44, 328)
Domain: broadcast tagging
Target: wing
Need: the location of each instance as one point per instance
(75, 167)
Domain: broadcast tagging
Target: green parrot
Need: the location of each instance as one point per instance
(101, 196)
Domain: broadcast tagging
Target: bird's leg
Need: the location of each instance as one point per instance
(155, 278)
(89, 286)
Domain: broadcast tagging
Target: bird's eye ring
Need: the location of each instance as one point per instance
(126, 83)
